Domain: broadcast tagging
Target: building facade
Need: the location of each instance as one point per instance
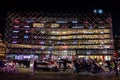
(52, 35)
(117, 45)
(2, 48)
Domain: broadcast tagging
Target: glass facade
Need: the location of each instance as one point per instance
(71, 34)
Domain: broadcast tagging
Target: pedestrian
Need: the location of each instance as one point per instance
(65, 64)
(77, 65)
(115, 67)
(32, 65)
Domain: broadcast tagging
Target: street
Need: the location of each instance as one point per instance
(25, 74)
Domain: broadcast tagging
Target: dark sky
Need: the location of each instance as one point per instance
(111, 6)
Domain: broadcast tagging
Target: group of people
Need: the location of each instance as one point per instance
(92, 66)
(53, 65)
(8, 66)
(89, 65)
(113, 66)
(77, 65)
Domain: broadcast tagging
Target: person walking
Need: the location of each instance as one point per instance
(32, 65)
(115, 67)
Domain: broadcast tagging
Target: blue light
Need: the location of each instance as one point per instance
(58, 42)
(50, 48)
(90, 27)
(75, 42)
(25, 36)
(74, 21)
(100, 11)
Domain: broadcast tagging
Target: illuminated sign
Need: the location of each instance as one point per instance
(38, 24)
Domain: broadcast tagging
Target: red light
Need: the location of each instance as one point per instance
(115, 54)
(16, 21)
(64, 47)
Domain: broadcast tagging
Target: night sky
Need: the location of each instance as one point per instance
(111, 6)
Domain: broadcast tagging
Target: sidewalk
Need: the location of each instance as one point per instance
(27, 71)
(24, 74)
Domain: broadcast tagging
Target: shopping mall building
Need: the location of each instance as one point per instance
(44, 35)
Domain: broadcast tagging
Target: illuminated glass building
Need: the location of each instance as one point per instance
(42, 34)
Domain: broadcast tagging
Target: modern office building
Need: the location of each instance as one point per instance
(2, 48)
(117, 45)
(59, 34)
